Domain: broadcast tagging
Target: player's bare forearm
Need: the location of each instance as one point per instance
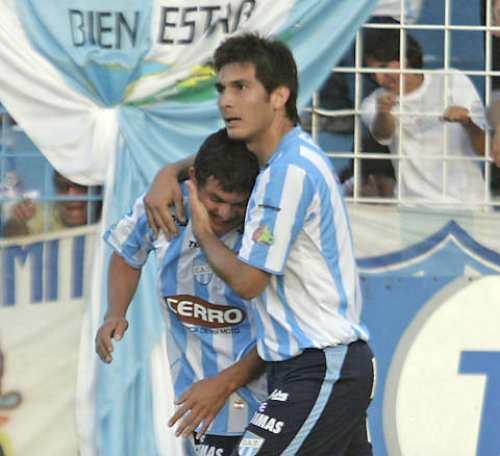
(122, 283)
(201, 403)
(245, 370)
(383, 126)
(179, 168)
(244, 279)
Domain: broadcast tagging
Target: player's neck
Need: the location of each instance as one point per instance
(264, 145)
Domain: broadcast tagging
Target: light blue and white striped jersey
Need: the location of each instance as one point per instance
(208, 325)
(297, 229)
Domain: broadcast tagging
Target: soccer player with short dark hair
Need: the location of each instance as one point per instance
(296, 260)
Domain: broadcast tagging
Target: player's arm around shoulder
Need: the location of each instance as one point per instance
(246, 280)
(163, 193)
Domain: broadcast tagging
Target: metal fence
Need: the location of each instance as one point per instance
(453, 35)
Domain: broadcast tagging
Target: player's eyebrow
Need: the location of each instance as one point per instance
(219, 86)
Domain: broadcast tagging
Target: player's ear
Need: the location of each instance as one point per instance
(279, 97)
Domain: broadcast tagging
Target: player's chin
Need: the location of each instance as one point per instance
(236, 133)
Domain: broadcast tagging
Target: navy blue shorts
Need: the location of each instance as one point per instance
(316, 406)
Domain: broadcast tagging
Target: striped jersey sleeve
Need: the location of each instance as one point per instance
(131, 237)
(277, 212)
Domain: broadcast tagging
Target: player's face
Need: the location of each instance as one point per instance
(226, 209)
(244, 103)
(389, 81)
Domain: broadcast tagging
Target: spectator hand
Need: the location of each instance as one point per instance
(112, 328)
(163, 193)
(457, 114)
(385, 102)
(200, 404)
(23, 211)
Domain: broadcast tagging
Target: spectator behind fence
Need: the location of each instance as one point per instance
(419, 106)
(31, 217)
(338, 93)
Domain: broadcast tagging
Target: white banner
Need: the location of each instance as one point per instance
(43, 289)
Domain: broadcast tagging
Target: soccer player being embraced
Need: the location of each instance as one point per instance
(210, 341)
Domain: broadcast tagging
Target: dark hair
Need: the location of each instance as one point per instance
(383, 45)
(227, 160)
(274, 64)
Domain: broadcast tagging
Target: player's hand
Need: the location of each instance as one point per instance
(163, 193)
(457, 114)
(23, 211)
(386, 102)
(200, 220)
(495, 147)
(112, 328)
(200, 404)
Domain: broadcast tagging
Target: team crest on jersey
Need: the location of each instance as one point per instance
(193, 310)
(202, 271)
(263, 235)
(250, 444)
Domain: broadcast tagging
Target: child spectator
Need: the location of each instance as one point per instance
(418, 106)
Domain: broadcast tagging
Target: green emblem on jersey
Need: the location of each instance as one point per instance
(263, 235)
